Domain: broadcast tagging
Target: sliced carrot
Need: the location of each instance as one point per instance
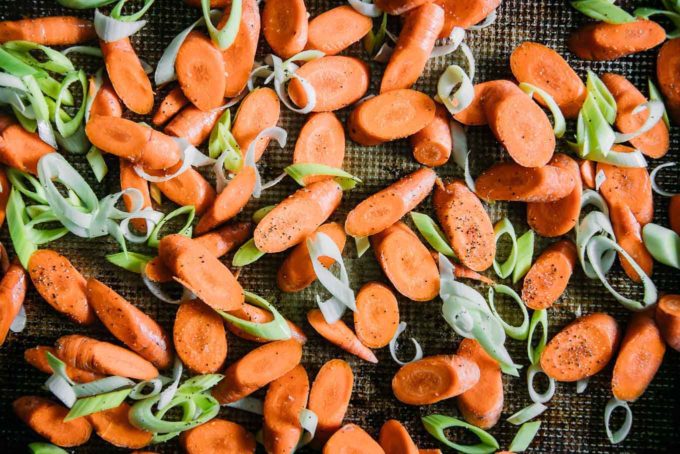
(19, 148)
(127, 75)
(188, 188)
(338, 81)
(582, 349)
(46, 418)
(382, 209)
(218, 435)
(199, 337)
(465, 13)
(61, 285)
(432, 145)
(48, 31)
(200, 71)
(655, 142)
(229, 202)
(603, 41)
(668, 319)
(321, 141)
(351, 438)
(639, 358)
(213, 3)
(130, 179)
(37, 357)
(130, 325)
(297, 272)
(103, 358)
(628, 186)
(406, 262)
(297, 216)
(284, 23)
(114, 427)
(390, 116)
(5, 190)
(172, 103)
(193, 124)
(329, 398)
(466, 224)
(377, 316)
(394, 439)
(258, 315)
(197, 269)
(514, 183)
(474, 115)
(257, 369)
(341, 335)
(461, 271)
(667, 70)
(434, 378)
(553, 219)
(399, 7)
(240, 56)
(548, 277)
(629, 236)
(285, 399)
(335, 30)
(106, 101)
(674, 213)
(587, 170)
(482, 404)
(439, 451)
(258, 111)
(12, 294)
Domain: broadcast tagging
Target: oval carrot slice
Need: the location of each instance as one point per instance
(106, 101)
(130, 325)
(514, 183)
(629, 236)
(188, 188)
(655, 142)
(551, 219)
(229, 202)
(582, 349)
(259, 110)
(351, 438)
(466, 224)
(382, 209)
(474, 115)
(399, 7)
(482, 404)
(61, 285)
(37, 357)
(46, 418)
(218, 434)
(335, 30)
(603, 41)
(127, 75)
(338, 81)
(48, 31)
(19, 148)
(548, 277)
(434, 378)
(284, 23)
(256, 370)
(432, 145)
(130, 179)
(200, 71)
(390, 116)
(668, 318)
(201, 272)
(674, 213)
(12, 295)
(173, 102)
(465, 13)
(377, 316)
(667, 70)
(541, 66)
(587, 169)
(240, 56)
(461, 271)
(639, 358)
(297, 216)
(297, 272)
(113, 426)
(321, 141)
(438, 451)
(199, 337)
(285, 399)
(628, 186)
(394, 439)
(193, 124)
(339, 334)
(329, 398)
(4, 195)
(258, 315)
(406, 262)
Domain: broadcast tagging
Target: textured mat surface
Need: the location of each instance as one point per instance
(573, 423)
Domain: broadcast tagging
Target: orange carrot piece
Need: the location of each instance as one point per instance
(12, 295)
(463, 272)
(284, 23)
(240, 56)
(48, 31)
(199, 337)
(667, 70)
(629, 236)
(229, 202)
(351, 438)
(130, 179)
(434, 378)
(218, 435)
(46, 418)
(587, 170)
(602, 41)
(668, 318)
(514, 183)
(548, 277)
(439, 451)
(193, 124)
(432, 145)
(172, 103)
(127, 75)
(200, 71)
(628, 186)
(113, 426)
(321, 141)
(377, 316)
(5, 190)
(19, 148)
(395, 439)
(341, 335)
(474, 115)
(285, 399)
(256, 314)
(465, 13)
(335, 30)
(188, 188)
(399, 7)
(213, 3)
(106, 101)
(37, 357)
(674, 213)
(329, 398)
(258, 111)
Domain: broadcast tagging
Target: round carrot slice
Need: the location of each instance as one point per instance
(199, 337)
(668, 319)
(548, 277)
(474, 115)
(240, 56)
(628, 186)
(284, 23)
(432, 145)
(285, 399)
(47, 419)
(329, 398)
(394, 439)
(667, 70)
(603, 41)
(321, 141)
(465, 13)
(335, 30)
(514, 183)
(377, 316)
(218, 435)
(258, 111)
(200, 71)
(352, 439)
(114, 427)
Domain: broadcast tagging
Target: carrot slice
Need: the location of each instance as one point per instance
(668, 319)
(603, 41)
(46, 418)
(106, 101)
(629, 236)
(434, 378)
(188, 188)
(285, 399)
(399, 7)
(551, 219)
(639, 358)
(48, 31)
(329, 398)
(12, 294)
(19, 148)
(173, 102)
(297, 216)
(394, 439)
(338, 81)
(465, 13)
(4, 194)
(414, 46)
(377, 316)
(352, 438)
(258, 315)
(514, 183)
(461, 271)
(541, 66)
(582, 349)
(200, 71)
(218, 435)
(193, 124)
(284, 23)
(439, 451)
(321, 141)
(103, 358)
(37, 357)
(628, 186)
(466, 224)
(655, 142)
(587, 169)
(390, 116)
(257, 369)
(406, 262)
(548, 277)
(258, 111)
(130, 179)
(61, 285)
(229, 202)
(432, 145)
(341, 335)
(474, 115)
(482, 404)
(240, 56)
(667, 70)
(674, 213)
(199, 337)
(335, 30)
(130, 325)
(127, 75)
(200, 271)
(384, 208)
(114, 427)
